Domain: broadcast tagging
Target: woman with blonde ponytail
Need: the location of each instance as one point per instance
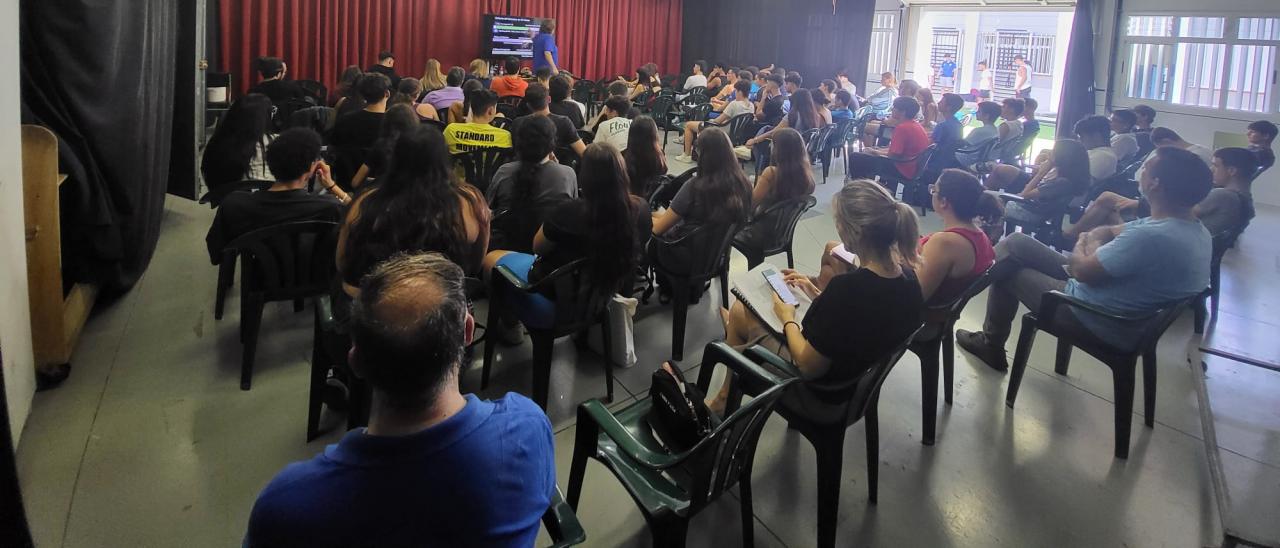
(858, 316)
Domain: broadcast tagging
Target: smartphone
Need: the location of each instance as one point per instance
(780, 286)
(845, 255)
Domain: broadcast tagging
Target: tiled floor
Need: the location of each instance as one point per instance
(152, 443)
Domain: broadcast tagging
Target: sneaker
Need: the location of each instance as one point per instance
(977, 345)
(678, 140)
(686, 158)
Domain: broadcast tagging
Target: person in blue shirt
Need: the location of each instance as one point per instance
(545, 52)
(947, 73)
(1132, 268)
(434, 467)
(948, 134)
(840, 101)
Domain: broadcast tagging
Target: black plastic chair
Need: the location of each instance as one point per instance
(697, 90)
(771, 231)
(1207, 303)
(661, 114)
(667, 187)
(508, 110)
(227, 264)
(1049, 217)
(502, 123)
(437, 124)
(214, 197)
(511, 100)
(832, 143)
(579, 305)
(286, 262)
(853, 400)
(314, 118)
(284, 112)
(329, 347)
(695, 113)
(915, 190)
(938, 335)
(686, 264)
(672, 487)
(479, 166)
(739, 128)
(315, 90)
(1058, 316)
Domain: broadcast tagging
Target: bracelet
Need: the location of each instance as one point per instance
(798, 326)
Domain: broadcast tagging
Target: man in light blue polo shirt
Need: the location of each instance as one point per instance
(1131, 268)
(434, 467)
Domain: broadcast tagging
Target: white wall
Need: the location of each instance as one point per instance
(15, 320)
(1197, 127)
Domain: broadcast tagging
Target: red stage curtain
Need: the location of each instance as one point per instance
(318, 38)
(599, 38)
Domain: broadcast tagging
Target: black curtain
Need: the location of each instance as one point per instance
(800, 35)
(1078, 86)
(100, 76)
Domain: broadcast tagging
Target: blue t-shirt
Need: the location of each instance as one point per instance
(948, 69)
(755, 92)
(840, 115)
(1151, 262)
(543, 43)
(948, 135)
(483, 477)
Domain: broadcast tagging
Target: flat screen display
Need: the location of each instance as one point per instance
(506, 36)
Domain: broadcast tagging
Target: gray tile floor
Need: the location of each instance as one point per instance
(152, 443)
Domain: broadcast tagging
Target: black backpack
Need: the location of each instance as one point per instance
(679, 416)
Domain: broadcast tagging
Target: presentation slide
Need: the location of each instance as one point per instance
(506, 36)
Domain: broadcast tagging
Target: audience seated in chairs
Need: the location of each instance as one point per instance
(386, 67)
(1136, 267)
(398, 120)
(614, 126)
(1060, 178)
(237, 149)
(741, 104)
(566, 136)
(509, 84)
(615, 89)
(719, 194)
(560, 88)
(1010, 128)
(345, 97)
(909, 139)
(528, 188)
(273, 84)
(443, 98)
(858, 317)
(606, 225)
(729, 91)
(880, 106)
(1165, 137)
(954, 257)
(930, 114)
(1030, 125)
(644, 157)
(1228, 207)
(841, 103)
(987, 113)
(458, 111)
(407, 94)
(1092, 131)
(1260, 135)
(354, 133)
(476, 132)
(948, 134)
(294, 157)
(1123, 141)
(433, 466)
(820, 103)
(418, 206)
(790, 176)
(804, 116)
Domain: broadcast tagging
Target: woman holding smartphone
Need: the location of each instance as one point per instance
(859, 316)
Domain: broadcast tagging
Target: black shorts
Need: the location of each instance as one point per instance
(1018, 183)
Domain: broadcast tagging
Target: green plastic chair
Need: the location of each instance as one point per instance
(671, 488)
(562, 524)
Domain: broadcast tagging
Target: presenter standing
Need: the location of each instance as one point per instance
(545, 53)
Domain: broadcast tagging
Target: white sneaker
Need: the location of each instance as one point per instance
(684, 158)
(678, 140)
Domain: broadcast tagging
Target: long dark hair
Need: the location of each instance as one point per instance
(414, 207)
(534, 140)
(721, 190)
(967, 196)
(604, 184)
(644, 162)
(804, 114)
(236, 140)
(1071, 160)
(347, 82)
(792, 173)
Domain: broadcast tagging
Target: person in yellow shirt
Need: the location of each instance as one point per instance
(478, 133)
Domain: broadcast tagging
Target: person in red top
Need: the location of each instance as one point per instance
(897, 161)
(955, 256)
(511, 84)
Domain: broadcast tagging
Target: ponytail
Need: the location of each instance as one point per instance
(907, 235)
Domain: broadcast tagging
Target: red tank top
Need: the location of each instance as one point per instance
(983, 257)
